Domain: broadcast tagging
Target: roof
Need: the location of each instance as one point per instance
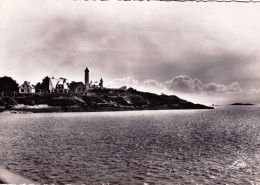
(60, 81)
(76, 85)
(27, 83)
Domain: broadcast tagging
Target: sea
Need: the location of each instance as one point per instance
(219, 146)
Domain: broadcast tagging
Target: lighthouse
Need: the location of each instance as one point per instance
(87, 78)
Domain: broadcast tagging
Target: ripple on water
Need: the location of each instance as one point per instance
(161, 147)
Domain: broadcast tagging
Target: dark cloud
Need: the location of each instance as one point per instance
(224, 67)
(215, 50)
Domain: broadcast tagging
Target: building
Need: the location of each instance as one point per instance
(101, 83)
(58, 85)
(87, 78)
(77, 87)
(26, 88)
(96, 85)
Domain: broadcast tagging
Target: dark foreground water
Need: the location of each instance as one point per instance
(138, 147)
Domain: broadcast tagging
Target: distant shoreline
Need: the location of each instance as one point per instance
(247, 104)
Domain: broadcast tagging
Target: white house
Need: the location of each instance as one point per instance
(58, 85)
(26, 87)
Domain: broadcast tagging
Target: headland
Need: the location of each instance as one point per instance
(94, 101)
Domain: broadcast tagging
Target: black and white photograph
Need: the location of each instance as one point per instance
(129, 92)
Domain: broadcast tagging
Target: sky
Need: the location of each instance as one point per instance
(203, 52)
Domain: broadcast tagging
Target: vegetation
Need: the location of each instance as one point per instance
(8, 84)
(45, 83)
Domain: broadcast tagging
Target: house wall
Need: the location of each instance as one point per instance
(25, 88)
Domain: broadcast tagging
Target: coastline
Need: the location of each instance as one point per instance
(95, 101)
(60, 109)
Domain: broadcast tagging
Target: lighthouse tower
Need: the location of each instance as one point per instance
(87, 78)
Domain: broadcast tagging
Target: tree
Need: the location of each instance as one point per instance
(45, 83)
(8, 84)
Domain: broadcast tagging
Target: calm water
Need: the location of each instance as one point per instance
(154, 147)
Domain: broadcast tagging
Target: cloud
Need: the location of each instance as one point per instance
(190, 89)
(181, 83)
(62, 38)
(218, 88)
(153, 83)
(254, 91)
(193, 90)
(184, 83)
(129, 82)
